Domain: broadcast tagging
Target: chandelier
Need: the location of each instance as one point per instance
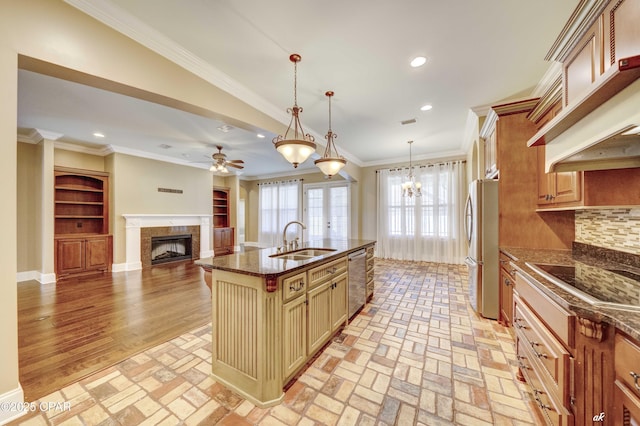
(297, 148)
(331, 162)
(410, 187)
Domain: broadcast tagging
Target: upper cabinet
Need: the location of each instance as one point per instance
(599, 54)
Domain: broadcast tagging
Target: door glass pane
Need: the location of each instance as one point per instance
(315, 219)
(338, 212)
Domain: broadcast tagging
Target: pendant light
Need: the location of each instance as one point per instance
(331, 162)
(299, 146)
(410, 187)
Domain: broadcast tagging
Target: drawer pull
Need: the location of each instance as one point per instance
(635, 376)
(503, 261)
(516, 323)
(296, 288)
(541, 355)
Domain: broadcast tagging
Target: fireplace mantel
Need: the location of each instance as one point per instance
(134, 222)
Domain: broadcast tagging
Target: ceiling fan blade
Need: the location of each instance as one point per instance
(235, 161)
(234, 165)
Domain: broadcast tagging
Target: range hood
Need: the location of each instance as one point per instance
(601, 131)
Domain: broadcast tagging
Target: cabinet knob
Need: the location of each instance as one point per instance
(635, 376)
(507, 282)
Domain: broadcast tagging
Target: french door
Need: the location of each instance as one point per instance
(326, 210)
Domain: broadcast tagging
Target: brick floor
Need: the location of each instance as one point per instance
(416, 355)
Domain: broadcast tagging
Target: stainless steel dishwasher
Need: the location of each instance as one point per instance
(357, 281)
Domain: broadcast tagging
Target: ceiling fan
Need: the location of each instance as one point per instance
(220, 162)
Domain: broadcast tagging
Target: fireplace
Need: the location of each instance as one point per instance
(170, 248)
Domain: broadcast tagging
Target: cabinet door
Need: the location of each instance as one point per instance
(96, 253)
(319, 325)
(626, 407)
(294, 330)
(506, 297)
(567, 187)
(490, 155)
(70, 255)
(339, 301)
(544, 182)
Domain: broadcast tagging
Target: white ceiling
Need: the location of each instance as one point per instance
(479, 53)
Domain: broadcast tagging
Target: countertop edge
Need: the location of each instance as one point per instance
(615, 317)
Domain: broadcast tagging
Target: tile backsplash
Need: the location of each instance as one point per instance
(616, 229)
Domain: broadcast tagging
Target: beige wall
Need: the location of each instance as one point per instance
(134, 190)
(78, 160)
(8, 217)
(29, 199)
(68, 44)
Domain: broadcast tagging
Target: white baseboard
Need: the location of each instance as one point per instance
(124, 267)
(37, 276)
(12, 399)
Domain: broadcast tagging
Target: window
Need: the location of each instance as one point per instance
(422, 228)
(279, 203)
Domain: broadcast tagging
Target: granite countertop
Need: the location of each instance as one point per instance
(626, 320)
(259, 263)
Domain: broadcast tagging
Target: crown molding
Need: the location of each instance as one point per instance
(33, 137)
(584, 15)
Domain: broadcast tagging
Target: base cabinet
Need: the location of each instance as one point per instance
(507, 282)
(627, 384)
(294, 334)
(79, 255)
(222, 241)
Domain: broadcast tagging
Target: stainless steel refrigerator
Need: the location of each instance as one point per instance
(481, 229)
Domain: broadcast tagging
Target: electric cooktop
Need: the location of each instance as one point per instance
(608, 287)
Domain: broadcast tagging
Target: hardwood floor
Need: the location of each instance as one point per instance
(74, 328)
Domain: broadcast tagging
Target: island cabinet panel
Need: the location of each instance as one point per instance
(370, 263)
(339, 302)
(320, 324)
(265, 332)
(247, 337)
(507, 282)
(294, 334)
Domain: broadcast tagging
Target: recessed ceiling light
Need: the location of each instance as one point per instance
(98, 135)
(225, 128)
(260, 135)
(164, 146)
(425, 107)
(418, 61)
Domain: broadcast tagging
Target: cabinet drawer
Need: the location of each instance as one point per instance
(557, 319)
(548, 403)
(370, 252)
(294, 286)
(626, 406)
(370, 263)
(627, 363)
(325, 272)
(552, 356)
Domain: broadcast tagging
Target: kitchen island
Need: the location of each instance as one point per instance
(272, 312)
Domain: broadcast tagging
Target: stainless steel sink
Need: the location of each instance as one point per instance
(303, 254)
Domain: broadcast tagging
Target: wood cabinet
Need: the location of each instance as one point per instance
(490, 154)
(544, 337)
(627, 383)
(507, 282)
(83, 255)
(591, 47)
(557, 189)
(222, 241)
(81, 223)
(223, 234)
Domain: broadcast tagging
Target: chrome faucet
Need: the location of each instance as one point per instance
(284, 235)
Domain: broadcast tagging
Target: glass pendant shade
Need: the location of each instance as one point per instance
(295, 151)
(331, 162)
(297, 148)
